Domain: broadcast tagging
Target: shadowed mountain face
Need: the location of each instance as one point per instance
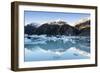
(68, 30)
(29, 29)
(59, 28)
(83, 24)
(84, 32)
(56, 29)
(84, 28)
(48, 29)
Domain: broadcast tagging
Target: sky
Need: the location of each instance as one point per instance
(43, 17)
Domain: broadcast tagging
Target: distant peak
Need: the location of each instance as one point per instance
(57, 22)
(34, 24)
(82, 20)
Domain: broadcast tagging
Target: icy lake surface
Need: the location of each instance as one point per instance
(44, 48)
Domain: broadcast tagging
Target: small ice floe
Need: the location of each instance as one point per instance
(52, 38)
(65, 40)
(72, 41)
(39, 42)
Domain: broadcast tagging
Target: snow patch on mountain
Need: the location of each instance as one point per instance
(82, 21)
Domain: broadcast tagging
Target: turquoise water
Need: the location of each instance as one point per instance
(44, 48)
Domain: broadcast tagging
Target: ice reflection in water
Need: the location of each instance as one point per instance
(41, 48)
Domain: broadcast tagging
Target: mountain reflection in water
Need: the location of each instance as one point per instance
(43, 48)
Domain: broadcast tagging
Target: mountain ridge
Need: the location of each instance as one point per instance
(59, 28)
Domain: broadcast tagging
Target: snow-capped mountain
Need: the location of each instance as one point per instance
(83, 24)
(56, 22)
(59, 27)
(82, 21)
(34, 24)
(84, 27)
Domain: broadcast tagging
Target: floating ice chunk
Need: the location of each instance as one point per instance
(39, 42)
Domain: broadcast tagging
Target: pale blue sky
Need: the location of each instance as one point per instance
(41, 17)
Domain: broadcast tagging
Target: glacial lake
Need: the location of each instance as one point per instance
(46, 48)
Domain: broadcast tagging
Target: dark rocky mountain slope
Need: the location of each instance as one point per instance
(84, 28)
(59, 28)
